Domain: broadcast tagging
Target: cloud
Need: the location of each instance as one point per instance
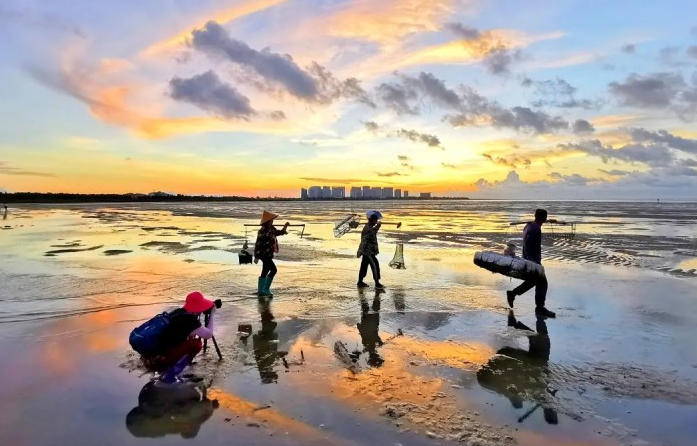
(8, 170)
(629, 48)
(277, 115)
(615, 172)
(403, 158)
(582, 127)
(573, 179)
(226, 15)
(692, 51)
(389, 174)
(668, 56)
(659, 91)
(274, 70)
(558, 93)
(448, 166)
(397, 98)
(497, 57)
(372, 127)
(664, 139)
(509, 161)
(413, 135)
(209, 93)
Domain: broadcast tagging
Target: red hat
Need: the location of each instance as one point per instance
(196, 303)
(267, 216)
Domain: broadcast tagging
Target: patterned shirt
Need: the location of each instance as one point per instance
(369, 241)
(266, 244)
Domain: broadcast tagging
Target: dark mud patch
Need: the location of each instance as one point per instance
(166, 247)
(116, 252)
(65, 251)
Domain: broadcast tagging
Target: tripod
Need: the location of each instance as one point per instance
(206, 318)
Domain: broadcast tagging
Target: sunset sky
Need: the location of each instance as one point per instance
(480, 98)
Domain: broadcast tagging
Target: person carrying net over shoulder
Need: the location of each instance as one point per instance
(368, 250)
(532, 251)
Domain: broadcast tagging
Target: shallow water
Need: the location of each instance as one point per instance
(430, 360)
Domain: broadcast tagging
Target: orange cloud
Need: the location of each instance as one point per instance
(388, 21)
(225, 16)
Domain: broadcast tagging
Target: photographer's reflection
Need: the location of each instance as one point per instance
(520, 374)
(179, 408)
(368, 329)
(265, 344)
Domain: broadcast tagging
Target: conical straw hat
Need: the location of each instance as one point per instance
(267, 216)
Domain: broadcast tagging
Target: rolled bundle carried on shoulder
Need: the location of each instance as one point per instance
(515, 267)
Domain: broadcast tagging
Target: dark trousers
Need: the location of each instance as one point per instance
(268, 268)
(540, 286)
(374, 267)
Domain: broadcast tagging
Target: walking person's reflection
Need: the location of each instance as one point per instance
(368, 328)
(265, 344)
(520, 374)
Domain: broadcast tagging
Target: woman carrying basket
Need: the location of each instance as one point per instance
(368, 249)
(264, 249)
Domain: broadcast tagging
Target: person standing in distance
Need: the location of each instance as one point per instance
(264, 249)
(368, 249)
(532, 251)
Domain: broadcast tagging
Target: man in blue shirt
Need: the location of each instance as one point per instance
(532, 251)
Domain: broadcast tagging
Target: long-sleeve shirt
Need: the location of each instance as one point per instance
(266, 244)
(369, 241)
(532, 243)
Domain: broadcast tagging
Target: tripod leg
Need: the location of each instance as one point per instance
(217, 349)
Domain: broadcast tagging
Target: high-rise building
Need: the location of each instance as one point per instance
(406, 194)
(376, 192)
(326, 192)
(425, 195)
(387, 192)
(338, 192)
(303, 194)
(367, 192)
(356, 192)
(398, 193)
(314, 192)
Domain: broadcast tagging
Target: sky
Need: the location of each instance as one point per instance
(520, 99)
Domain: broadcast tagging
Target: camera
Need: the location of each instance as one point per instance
(218, 303)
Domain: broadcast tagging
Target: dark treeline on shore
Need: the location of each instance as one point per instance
(38, 197)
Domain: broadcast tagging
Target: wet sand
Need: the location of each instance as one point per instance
(434, 359)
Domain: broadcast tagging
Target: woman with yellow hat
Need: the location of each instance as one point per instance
(264, 249)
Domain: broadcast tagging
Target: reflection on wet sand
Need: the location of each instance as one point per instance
(520, 374)
(265, 344)
(163, 409)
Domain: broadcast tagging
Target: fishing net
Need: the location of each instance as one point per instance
(346, 224)
(398, 259)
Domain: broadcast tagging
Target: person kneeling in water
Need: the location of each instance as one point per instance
(170, 341)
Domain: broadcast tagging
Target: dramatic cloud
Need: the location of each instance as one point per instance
(397, 97)
(573, 179)
(413, 135)
(664, 139)
(630, 48)
(472, 109)
(558, 93)
(658, 90)
(315, 84)
(389, 174)
(496, 56)
(509, 161)
(209, 93)
(582, 127)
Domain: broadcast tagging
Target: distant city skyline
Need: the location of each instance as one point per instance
(356, 192)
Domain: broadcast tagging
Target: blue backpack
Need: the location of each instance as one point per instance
(148, 339)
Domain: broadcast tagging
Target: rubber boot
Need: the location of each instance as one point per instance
(260, 285)
(172, 373)
(266, 290)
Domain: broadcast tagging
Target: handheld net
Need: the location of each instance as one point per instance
(346, 224)
(397, 261)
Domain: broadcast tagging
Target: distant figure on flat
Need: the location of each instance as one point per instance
(264, 249)
(532, 251)
(4, 215)
(368, 249)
